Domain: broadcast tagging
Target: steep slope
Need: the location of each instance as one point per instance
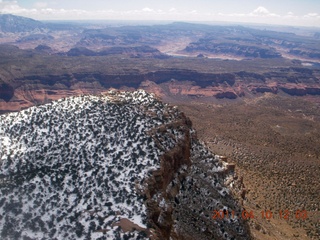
(114, 166)
(14, 24)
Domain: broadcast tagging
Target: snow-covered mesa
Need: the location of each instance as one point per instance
(88, 167)
(69, 168)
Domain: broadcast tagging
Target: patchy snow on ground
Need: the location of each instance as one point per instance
(68, 169)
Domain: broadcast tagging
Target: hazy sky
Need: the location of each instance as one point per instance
(284, 12)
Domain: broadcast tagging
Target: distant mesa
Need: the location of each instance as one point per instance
(81, 51)
(200, 55)
(232, 48)
(300, 90)
(263, 89)
(226, 94)
(44, 48)
(134, 52)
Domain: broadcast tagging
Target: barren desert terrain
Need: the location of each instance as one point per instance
(275, 144)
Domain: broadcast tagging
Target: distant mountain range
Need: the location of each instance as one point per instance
(177, 39)
(14, 24)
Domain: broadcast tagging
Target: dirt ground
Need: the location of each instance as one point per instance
(275, 143)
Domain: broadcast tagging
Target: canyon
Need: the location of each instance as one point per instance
(250, 92)
(26, 82)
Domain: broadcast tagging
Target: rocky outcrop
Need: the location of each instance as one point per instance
(263, 88)
(227, 94)
(81, 51)
(197, 190)
(133, 52)
(201, 79)
(190, 184)
(300, 89)
(177, 89)
(44, 48)
(161, 218)
(250, 76)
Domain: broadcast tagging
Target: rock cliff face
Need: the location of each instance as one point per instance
(37, 89)
(133, 52)
(115, 166)
(300, 89)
